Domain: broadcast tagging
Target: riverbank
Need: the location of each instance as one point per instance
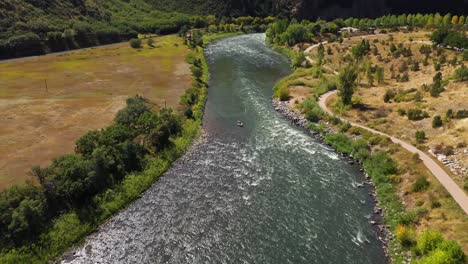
(72, 227)
(377, 219)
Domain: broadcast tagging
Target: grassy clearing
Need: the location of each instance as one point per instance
(85, 89)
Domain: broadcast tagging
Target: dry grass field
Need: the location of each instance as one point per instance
(385, 117)
(443, 213)
(85, 89)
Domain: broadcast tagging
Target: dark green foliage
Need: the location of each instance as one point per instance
(135, 108)
(23, 210)
(465, 55)
(421, 184)
(416, 114)
(135, 43)
(461, 74)
(311, 110)
(461, 114)
(449, 37)
(346, 83)
(102, 160)
(389, 95)
(360, 50)
(420, 136)
(437, 122)
(437, 86)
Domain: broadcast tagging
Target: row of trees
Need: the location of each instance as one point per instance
(101, 160)
(284, 32)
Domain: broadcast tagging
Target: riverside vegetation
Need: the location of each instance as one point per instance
(415, 206)
(40, 222)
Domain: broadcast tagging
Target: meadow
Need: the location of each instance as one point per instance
(48, 102)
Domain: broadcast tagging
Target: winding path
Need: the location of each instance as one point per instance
(455, 191)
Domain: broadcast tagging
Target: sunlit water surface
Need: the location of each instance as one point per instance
(265, 193)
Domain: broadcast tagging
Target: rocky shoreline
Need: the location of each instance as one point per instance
(376, 220)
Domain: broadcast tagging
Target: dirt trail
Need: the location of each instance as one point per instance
(455, 191)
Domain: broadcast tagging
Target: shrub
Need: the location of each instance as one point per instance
(454, 251)
(448, 150)
(405, 236)
(461, 114)
(401, 111)
(421, 184)
(283, 93)
(150, 42)
(416, 114)
(437, 122)
(449, 113)
(135, 43)
(420, 136)
(434, 202)
(428, 241)
(404, 78)
(389, 95)
(461, 74)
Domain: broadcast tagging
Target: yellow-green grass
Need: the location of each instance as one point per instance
(85, 89)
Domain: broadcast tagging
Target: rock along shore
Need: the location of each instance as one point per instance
(376, 220)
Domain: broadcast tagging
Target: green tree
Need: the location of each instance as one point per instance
(420, 136)
(437, 122)
(461, 20)
(347, 83)
(87, 143)
(129, 115)
(447, 19)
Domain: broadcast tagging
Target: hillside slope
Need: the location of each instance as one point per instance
(311, 8)
(33, 27)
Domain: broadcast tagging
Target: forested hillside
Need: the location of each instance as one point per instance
(311, 9)
(32, 27)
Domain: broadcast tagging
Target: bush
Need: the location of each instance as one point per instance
(420, 136)
(405, 236)
(135, 43)
(437, 122)
(428, 241)
(421, 184)
(389, 95)
(150, 42)
(461, 74)
(416, 114)
(283, 93)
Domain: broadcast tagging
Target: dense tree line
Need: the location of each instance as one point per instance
(102, 158)
(309, 9)
(285, 32)
(45, 27)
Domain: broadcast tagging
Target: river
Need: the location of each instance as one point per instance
(264, 193)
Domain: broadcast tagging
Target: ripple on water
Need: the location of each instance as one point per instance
(267, 193)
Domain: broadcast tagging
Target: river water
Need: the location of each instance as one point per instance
(264, 193)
